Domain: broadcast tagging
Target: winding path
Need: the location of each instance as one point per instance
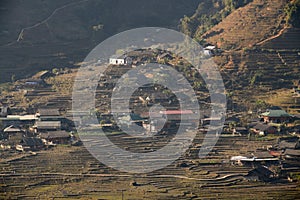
(223, 178)
(273, 37)
(21, 34)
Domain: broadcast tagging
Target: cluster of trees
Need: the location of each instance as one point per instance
(207, 15)
(292, 11)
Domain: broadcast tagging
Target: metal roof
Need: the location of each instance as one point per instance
(48, 112)
(11, 129)
(48, 124)
(275, 113)
(55, 134)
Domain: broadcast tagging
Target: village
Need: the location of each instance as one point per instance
(42, 127)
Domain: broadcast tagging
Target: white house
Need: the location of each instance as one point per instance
(120, 60)
(208, 51)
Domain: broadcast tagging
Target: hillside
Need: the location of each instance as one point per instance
(248, 25)
(260, 48)
(260, 44)
(38, 35)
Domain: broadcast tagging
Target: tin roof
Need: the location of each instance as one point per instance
(275, 113)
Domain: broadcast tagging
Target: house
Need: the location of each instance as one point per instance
(56, 137)
(30, 144)
(209, 50)
(173, 118)
(295, 130)
(263, 129)
(275, 116)
(42, 74)
(261, 173)
(256, 160)
(176, 114)
(240, 130)
(42, 126)
(48, 112)
(32, 83)
(48, 115)
(13, 134)
(120, 60)
(210, 120)
(253, 122)
(18, 120)
(292, 154)
(131, 118)
(232, 120)
(262, 155)
(238, 160)
(289, 145)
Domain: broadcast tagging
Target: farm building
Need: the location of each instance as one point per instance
(12, 133)
(56, 137)
(263, 129)
(292, 154)
(48, 115)
(275, 116)
(120, 60)
(261, 173)
(131, 118)
(41, 126)
(209, 50)
(30, 144)
(18, 120)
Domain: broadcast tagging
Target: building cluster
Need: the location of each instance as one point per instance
(30, 132)
(47, 127)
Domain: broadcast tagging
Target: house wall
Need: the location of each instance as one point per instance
(15, 137)
(276, 119)
(115, 61)
(63, 140)
(3, 111)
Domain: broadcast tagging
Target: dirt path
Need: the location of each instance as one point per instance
(17, 157)
(273, 37)
(21, 34)
(223, 178)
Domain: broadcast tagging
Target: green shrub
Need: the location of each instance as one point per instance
(292, 11)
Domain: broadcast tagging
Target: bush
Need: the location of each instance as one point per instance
(207, 15)
(292, 11)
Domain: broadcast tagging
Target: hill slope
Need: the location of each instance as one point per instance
(40, 34)
(249, 25)
(260, 51)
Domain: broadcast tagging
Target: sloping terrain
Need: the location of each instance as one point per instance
(288, 40)
(260, 52)
(71, 172)
(248, 25)
(38, 35)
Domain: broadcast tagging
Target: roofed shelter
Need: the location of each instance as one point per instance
(30, 144)
(57, 137)
(47, 125)
(275, 116)
(263, 129)
(48, 114)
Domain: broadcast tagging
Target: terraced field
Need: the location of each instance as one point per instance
(71, 172)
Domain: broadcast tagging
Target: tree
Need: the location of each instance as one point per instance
(292, 11)
(13, 78)
(54, 70)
